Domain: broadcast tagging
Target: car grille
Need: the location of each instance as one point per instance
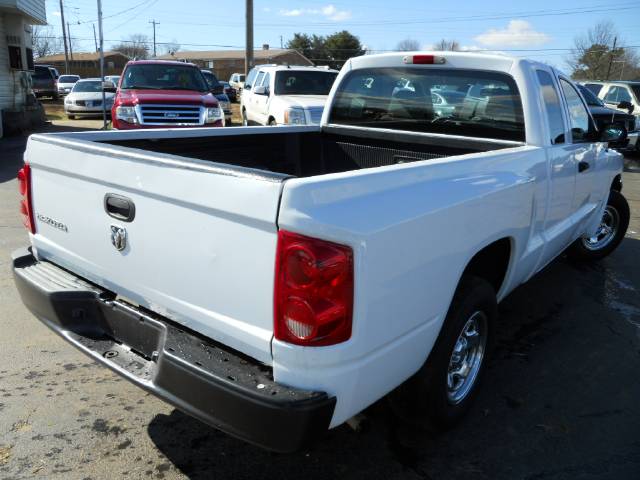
(93, 103)
(171, 114)
(315, 114)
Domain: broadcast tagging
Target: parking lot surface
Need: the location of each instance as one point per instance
(560, 401)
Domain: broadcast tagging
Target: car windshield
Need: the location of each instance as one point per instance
(292, 82)
(163, 77)
(588, 95)
(88, 86)
(485, 105)
(68, 79)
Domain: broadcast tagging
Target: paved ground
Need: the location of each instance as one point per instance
(561, 400)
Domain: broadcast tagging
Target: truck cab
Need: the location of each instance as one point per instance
(164, 94)
(285, 95)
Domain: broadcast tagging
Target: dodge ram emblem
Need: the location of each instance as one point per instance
(118, 237)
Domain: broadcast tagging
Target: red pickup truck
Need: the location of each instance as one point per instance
(164, 94)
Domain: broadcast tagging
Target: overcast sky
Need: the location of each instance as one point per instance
(543, 30)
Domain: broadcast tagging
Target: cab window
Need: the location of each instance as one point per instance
(578, 114)
(552, 105)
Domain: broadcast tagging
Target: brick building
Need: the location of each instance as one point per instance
(87, 65)
(225, 62)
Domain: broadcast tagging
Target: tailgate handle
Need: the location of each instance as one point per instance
(119, 207)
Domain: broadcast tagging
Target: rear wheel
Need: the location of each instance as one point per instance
(70, 117)
(440, 393)
(272, 122)
(610, 232)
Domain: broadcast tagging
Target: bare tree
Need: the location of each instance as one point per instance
(171, 47)
(45, 42)
(134, 46)
(408, 45)
(444, 45)
(600, 54)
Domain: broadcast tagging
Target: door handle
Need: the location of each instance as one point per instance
(583, 166)
(119, 207)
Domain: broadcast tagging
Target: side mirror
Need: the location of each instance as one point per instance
(626, 105)
(613, 133)
(260, 90)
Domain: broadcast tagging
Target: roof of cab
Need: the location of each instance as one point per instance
(160, 62)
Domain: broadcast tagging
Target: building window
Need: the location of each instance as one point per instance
(15, 57)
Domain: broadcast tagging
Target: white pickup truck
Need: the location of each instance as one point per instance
(276, 282)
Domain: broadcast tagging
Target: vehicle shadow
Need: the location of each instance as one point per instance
(556, 400)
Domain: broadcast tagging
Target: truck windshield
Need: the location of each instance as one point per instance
(456, 102)
(163, 77)
(304, 82)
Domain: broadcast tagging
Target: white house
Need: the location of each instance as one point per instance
(16, 57)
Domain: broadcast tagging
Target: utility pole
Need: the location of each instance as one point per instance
(95, 40)
(64, 39)
(281, 45)
(70, 46)
(248, 48)
(154, 36)
(615, 40)
(104, 100)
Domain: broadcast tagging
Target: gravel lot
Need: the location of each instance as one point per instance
(561, 398)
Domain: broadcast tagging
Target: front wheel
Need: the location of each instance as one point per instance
(440, 393)
(610, 232)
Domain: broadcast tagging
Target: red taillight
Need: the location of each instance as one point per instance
(423, 59)
(313, 302)
(26, 205)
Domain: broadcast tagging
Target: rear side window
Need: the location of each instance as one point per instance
(553, 106)
(456, 102)
(578, 114)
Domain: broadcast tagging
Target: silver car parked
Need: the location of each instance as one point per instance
(66, 82)
(85, 98)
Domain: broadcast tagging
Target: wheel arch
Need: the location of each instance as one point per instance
(491, 262)
(616, 184)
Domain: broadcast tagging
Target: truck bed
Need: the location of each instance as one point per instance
(310, 152)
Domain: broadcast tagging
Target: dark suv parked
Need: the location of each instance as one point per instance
(44, 82)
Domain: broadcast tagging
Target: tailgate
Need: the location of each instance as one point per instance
(200, 249)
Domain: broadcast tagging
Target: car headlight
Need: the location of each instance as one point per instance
(213, 114)
(126, 114)
(294, 116)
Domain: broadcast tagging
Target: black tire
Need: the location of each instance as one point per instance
(616, 217)
(425, 399)
(272, 122)
(71, 117)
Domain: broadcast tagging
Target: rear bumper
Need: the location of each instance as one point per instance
(219, 386)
